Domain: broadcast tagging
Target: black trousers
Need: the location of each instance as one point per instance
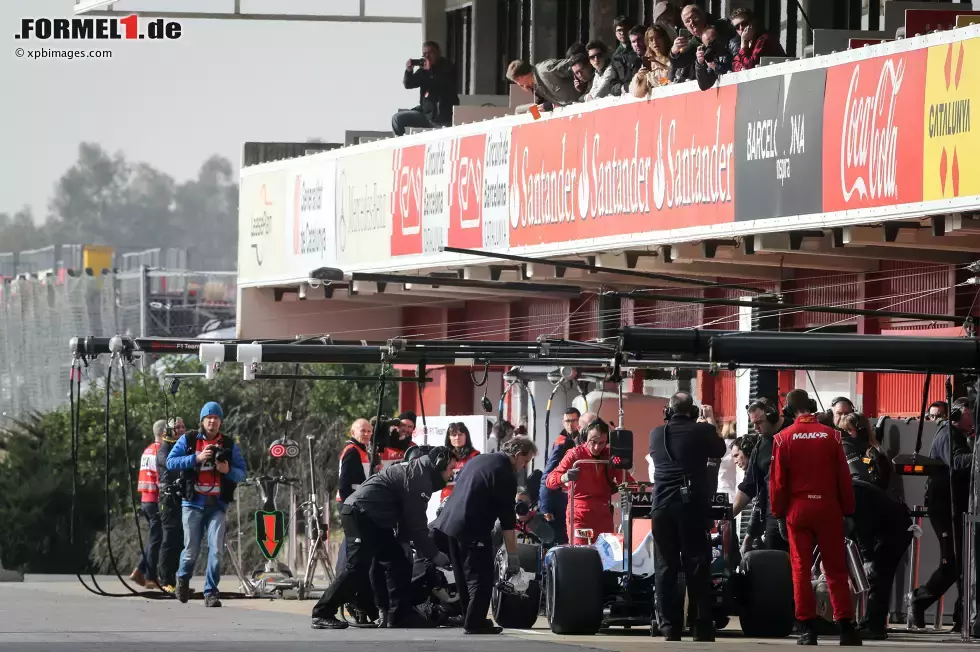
(681, 537)
(473, 568)
(885, 558)
(172, 526)
(368, 543)
(950, 533)
(148, 560)
(773, 539)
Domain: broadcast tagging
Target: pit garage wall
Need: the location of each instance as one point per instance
(453, 391)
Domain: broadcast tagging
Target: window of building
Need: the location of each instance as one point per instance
(459, 34)
(513, 37)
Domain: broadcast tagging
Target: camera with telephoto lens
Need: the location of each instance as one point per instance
(521, 508)
(709, 53)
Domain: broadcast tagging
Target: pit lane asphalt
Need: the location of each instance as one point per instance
(54, 613)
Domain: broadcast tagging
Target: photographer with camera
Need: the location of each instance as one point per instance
(386, 510)
(681, 514)
(210, 466)
(947, 503)
(433, 75)
(399, 438)
(170, 509)
(712, 59)
(148, 486)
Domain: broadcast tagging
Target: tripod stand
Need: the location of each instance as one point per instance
(317, 533)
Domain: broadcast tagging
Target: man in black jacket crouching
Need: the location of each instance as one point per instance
(397, 497)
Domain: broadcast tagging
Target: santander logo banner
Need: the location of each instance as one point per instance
(640, 167)
(873, 145)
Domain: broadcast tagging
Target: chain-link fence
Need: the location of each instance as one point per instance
(38, 317)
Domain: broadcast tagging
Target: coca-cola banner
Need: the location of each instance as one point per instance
(952, 145)
(779, 146)
(873, 112)
(635, 168)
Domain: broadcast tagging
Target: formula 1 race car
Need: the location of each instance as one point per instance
(588, 590)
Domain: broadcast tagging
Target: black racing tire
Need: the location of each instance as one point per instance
(529, 555)
(766, 594)
(575, 590)
(516, 611)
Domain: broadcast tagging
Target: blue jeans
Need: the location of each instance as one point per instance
(211, 519)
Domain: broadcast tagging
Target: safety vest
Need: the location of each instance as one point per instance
(392, 455)
(365, 463)
(208, 481)
(148, 482)
(457, 467)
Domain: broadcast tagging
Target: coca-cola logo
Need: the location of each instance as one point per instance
(407, 194)
(870, 136)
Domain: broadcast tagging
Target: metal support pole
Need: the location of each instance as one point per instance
(144, 300)
(914, 551)
(291, 550)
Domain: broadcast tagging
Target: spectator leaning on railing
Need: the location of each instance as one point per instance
(433, 76)
(655, 65)
(754, 42)
(598, 54)
(713, 59)
(683, 54)
(552, 82)
(626, 65)
(583, 72)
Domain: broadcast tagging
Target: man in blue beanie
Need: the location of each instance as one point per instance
(210, 466)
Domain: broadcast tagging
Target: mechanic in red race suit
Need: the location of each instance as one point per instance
(459, 441)
(810, 493)
(594, 484)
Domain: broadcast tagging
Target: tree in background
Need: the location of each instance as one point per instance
(36, 467)
(105, 199)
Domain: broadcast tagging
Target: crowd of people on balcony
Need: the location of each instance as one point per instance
(681, 45)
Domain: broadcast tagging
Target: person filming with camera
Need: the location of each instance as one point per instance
(680, 450)
(433, 75)
(211, 466)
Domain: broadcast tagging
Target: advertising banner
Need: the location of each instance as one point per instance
(435, 195)
(407, 169)
(363, 203)
(260, 227)
(478, 198)
(311, 238)
(640, 167)
(465, 190)
(873, 112)
(952, 145)
(779, 146)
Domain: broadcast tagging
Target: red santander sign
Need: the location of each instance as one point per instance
(646, 166)
(872, 131)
